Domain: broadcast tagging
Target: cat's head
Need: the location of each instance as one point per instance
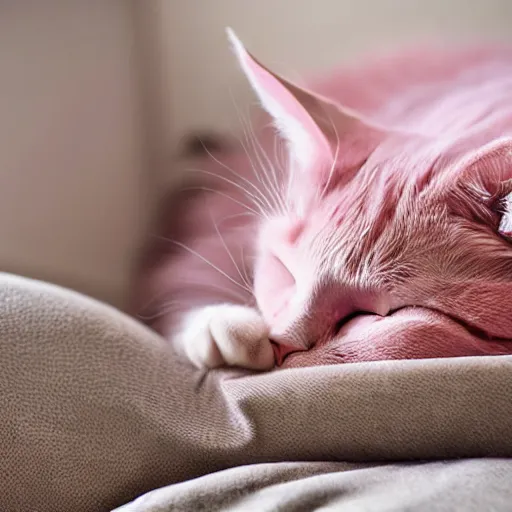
(377, 220)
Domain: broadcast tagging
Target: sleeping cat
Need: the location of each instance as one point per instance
(382, 232)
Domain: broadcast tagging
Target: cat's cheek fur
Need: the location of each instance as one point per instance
(225, 334)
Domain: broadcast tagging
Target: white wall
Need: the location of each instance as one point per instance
(73, 197)
(291, 36)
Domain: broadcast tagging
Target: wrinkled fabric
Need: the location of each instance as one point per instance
(470, 486)
(97, 409)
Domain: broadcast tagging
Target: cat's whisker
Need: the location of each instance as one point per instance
(258, 149)
(275, 155)
(249, 135)
(272, 166)
(291, 179)
(335, 158)
(242, 257)
(202, 286)
(218, 192)
(269, 194)
(169, 306)
(208, 262)
(243, 123)
(256, 200)
(281, 167)
(232, 171)
(165, 308)
(223, 242)
(234, 216)
(256, 174)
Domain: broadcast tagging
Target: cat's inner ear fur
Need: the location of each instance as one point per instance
(488, 168)
(483, 182)
(505, 226)
(313, 126)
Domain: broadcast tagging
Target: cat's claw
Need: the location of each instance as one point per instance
(226, 334)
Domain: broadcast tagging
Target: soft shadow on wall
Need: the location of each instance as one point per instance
(73, 189)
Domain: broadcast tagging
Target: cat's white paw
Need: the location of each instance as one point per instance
(226, 334)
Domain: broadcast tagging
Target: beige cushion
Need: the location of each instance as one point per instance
(96, 409)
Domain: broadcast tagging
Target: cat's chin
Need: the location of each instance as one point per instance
(408, 333)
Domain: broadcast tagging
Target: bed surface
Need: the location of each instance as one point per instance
(97, 411)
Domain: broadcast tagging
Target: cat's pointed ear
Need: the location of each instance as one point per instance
(483, 181)
(486, 168)
(313, 126)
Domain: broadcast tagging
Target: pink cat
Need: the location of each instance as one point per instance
(382, 233)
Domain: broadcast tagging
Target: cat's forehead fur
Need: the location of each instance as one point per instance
(397, 216)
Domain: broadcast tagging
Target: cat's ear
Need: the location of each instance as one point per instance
(483, 181)
(487, 168)
(315, 128)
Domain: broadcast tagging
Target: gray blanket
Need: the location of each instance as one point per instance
(469, 485)
(97, 410)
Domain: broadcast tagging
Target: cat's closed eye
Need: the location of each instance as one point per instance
(343, 321)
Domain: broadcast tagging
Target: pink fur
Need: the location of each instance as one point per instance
(393, 210)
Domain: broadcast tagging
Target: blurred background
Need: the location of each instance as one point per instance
(95, 96)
